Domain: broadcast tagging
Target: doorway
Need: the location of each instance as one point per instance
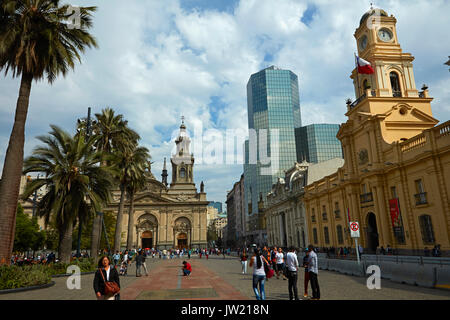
(372, 233)
(147, 239)
(182, 241)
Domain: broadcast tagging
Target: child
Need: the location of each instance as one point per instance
(123, 268)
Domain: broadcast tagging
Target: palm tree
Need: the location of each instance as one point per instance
(111, 133)
(77, 185)
(136, 183)
(36, 41)
(130, 165)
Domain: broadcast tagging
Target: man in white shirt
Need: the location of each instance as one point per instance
(313, 270)
(280, 263)
(292, 268)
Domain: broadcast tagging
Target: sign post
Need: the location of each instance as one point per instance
(354, 230)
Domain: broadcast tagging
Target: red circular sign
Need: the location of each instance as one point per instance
(354, 226)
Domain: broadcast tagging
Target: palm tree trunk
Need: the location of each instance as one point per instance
(95, 238)
(12, 172)
(118, 233)
(65, 242)
(130, 222)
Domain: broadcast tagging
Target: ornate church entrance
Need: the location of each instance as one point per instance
(147, 239)
(182, 241)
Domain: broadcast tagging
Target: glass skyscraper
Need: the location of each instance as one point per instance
(317, 143)
(273, 104)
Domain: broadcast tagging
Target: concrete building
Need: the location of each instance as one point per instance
(236, 216)
(397, 161)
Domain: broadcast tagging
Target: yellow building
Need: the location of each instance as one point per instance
(395, 179)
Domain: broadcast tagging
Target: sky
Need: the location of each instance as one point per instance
(159, 60)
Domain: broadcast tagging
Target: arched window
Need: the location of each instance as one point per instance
(395, 84)
(427, 229)
(340, 235)
(182, 173)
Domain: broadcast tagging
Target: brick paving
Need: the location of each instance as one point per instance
(221, 279)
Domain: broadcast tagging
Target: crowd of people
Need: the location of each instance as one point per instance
(268, 262)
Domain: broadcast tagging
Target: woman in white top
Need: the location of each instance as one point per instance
(257, 262)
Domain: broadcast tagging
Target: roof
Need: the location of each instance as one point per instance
(373, 12)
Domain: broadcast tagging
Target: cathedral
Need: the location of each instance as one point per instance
(168, 216)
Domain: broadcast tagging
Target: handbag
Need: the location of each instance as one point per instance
(269, 271)
(111, 287)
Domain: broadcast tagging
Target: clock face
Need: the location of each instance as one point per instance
(363, 42)
(385, 35)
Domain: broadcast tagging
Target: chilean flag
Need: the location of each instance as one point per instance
(364, 66)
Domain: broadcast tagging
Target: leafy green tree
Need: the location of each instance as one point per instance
(76, 184)
(27, 234)
(37, 40)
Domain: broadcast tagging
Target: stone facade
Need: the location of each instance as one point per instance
(397, 161)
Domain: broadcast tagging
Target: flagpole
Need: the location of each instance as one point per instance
(357, 77)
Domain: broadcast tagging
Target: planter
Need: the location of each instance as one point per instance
(15, 290)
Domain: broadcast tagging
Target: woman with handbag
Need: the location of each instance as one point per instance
(259, 263)
(106, 281)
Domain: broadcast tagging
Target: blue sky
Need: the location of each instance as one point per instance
(161, 59)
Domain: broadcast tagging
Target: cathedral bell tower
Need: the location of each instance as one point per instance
(390, 93)
(183, 163)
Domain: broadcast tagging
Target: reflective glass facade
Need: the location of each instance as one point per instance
(317, 143)
(273, 104)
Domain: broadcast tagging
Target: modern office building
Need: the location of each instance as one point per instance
(317, 143)
(274, 105)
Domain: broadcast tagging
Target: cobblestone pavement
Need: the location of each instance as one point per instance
(218, 278)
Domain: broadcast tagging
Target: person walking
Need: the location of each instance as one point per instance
(144, 256)
(291, 270)
(313, 270)
(257, 262)
(138, 261)
(244, 258)
(305, 265)
(280, 264)
(116, 258)
(103, 275)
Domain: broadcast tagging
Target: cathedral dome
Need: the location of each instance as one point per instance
(373, 12)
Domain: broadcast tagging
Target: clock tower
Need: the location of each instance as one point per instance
(390, 93)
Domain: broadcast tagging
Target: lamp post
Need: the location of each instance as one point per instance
(80, 225)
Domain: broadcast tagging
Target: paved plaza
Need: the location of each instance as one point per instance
(222, 279)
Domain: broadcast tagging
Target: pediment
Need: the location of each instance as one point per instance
(149, 198)
(405, 115)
